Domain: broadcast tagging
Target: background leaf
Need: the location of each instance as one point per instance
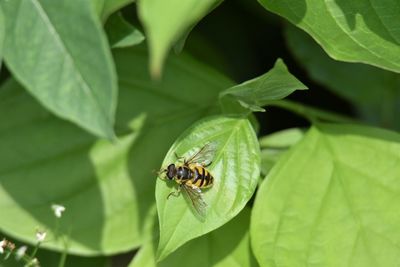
(75, 80)
(274, 145)
(2, 33)
(105, 8)
(374, 92)
(276, 84)
(235, 167)
(163, 30)
(121, 33)
(364, 31)
(335, 193)
(108, 188)
(229, 246)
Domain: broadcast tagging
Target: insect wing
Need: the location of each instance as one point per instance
(196, 200)
(205, 155)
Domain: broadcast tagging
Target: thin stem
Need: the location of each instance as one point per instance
(311, 113)
(32, 256)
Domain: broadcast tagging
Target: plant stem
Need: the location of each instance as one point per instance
(311, 113)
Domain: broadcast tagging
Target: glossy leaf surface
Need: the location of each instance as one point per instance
(235, 167)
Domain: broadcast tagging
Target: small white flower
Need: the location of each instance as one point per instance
(2, 245)
(20, 252)
(40, 236)
(58, 210)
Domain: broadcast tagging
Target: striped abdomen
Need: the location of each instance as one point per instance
(200, 176)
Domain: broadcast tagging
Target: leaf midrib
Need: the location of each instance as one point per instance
(68, 56)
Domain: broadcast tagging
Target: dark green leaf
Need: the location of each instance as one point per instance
(273, 85)
(2, 32)
(375, 92)
(105, 8)
(166, 21)
(356, 31)
(107, 188)
(228, 246)
(63, 60)
(331, 201)
(121, 33)
(235, 167)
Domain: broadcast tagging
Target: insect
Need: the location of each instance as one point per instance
(192, 176)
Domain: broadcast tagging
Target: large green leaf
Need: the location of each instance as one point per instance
(108, 189)
(333, 200)
(166, 21)
(357, 31)
(375, 92)
(121, 33)
(235, 167)
(228, 246)
(255, 93)
(68, 68)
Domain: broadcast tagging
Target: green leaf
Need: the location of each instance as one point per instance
(355, 31)
(107, 188)
(104, 8)
(162, 30)
(331, 201)
(276, 84)
(2, 34)
(282, 139)
(229, 246)
(235, 167)
(68, 68)
(274, 145)
(121, 33)
(374, 92)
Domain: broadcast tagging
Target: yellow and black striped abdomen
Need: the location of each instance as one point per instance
(201, 177)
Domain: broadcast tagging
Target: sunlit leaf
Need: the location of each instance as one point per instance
(235, 167)
(166, 21)
(107, 188)
(364, 31)
(63, 60)
(331, 201)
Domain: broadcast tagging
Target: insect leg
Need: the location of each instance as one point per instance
(175, 193)
(207, 164)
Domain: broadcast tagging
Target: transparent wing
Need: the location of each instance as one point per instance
(196, 200)
(204, 155)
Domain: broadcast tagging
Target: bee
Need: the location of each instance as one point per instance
(192, 176)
